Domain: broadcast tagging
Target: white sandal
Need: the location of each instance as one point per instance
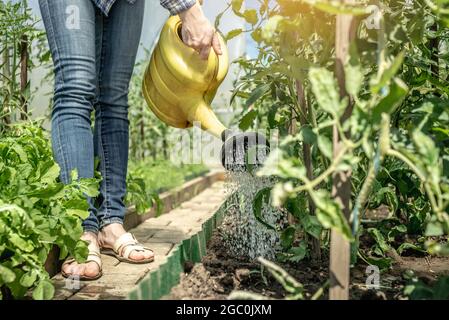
(93, 256)
(123, 247)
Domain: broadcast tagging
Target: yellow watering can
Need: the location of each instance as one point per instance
(179, 87)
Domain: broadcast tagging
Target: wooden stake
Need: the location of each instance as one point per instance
(341, 186)
(434, 47)
(7, 73)
(24, 75)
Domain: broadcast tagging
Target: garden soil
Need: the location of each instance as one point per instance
(219, 274)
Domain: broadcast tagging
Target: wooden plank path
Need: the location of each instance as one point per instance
(162, 234)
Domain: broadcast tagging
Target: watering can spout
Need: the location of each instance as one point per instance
(199, 112)
(243, 151)
(179, 87)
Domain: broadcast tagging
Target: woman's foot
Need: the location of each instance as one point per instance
(89, 269)
(108, 236)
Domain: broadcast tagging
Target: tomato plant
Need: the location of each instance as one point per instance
(18, 33)
(394, 137)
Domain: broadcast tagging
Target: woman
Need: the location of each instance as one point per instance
(93, 44)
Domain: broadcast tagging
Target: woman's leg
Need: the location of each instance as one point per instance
(73, 50)
(119, 37)
(72, 44)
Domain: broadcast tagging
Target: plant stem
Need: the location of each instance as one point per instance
(306, 150)
(24, 75)
(400, 156)
(320, 291)
(310, 185)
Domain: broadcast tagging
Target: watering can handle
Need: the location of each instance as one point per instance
(182, 40)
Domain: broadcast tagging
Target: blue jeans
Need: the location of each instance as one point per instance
(93, 59)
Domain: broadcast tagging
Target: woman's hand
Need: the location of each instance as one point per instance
(198, 33)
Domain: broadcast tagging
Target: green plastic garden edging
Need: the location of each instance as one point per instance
(160, 281)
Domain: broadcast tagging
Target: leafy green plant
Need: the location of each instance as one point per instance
(148, 178)
(37, 211)
(149, 136)
(159, 176)
(416, 289)
(394, 136)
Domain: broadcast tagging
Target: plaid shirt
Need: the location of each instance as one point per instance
(174, 6)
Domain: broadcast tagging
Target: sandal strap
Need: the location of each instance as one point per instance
(93, 257)
(69, 260)
(124, 240)
(130, 248)
(126, 244)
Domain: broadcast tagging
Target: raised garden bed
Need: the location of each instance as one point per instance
(219, 273)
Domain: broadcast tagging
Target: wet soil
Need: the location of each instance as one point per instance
(219, 274)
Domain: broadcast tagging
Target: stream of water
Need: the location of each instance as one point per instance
(244, 236)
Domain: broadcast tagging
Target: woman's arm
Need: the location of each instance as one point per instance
(197, 32)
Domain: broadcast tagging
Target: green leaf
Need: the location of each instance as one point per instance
(407, 246)
(434, 229)
(28, 279)
(298, 253)
(251, 16)
(49, 192)
(261, 198)
(387, 196)
(20, 243)
(257, 94)
(80, 204)
(312, 226)
(83, 214)
(6, 275)
(233, 33)
(44, 291)
(218, 20)
(397, 92)
(308, 135)
(325, 146)
(383, 262)
(51, 175)
(89, 186)
(74, 175)
(20, 152)
(81, 251)
(380, 239)
(247, 120)
(287, 237)
(324, 87)
(271, 28)
(388, 74)
(236, 5)
(17, 290)
(426, 148)
(330, 215)
(257, 35)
